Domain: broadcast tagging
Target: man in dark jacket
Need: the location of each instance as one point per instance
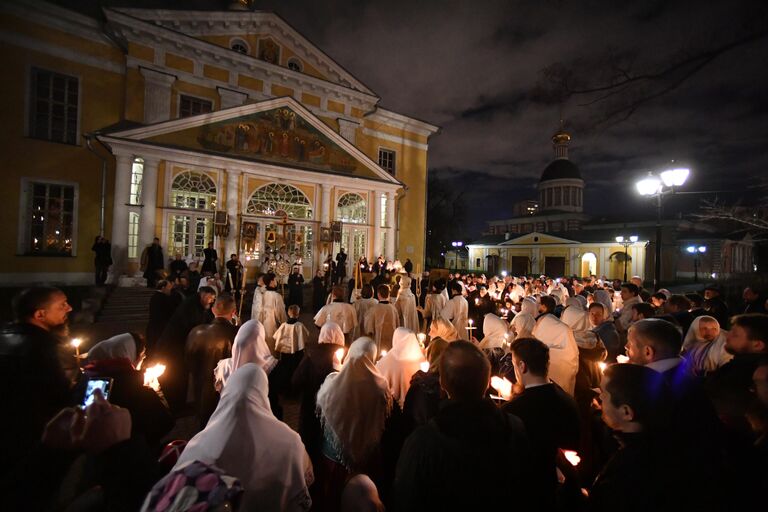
(461, 459)
(754, 302)
(550, 415)
(295, 288)
(152, 261)
(102, 259)
(208, 344)
(716, 306)
(161, 307)
(195, 310)
(34, 385)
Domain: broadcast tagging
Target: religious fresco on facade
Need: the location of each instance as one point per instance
(276, 136)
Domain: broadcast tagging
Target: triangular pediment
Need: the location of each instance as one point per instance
(536, 238)
(268, 37)
(278, 132)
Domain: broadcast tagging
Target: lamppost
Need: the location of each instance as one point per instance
(658, 187)
(626, 242)
(456, 246)
(696, 251)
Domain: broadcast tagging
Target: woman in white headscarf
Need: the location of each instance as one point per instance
(522, 326)
(442, 328)
(400, 363)
(250, 346)
(530, 306)
(577, 318)
(591, 350)
(246, 441)
(353, 405)
(563, 351)
(496, 332)
(605, 298)
(122, 346)
(704, 345)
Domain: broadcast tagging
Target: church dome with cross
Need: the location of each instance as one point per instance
(561, 187)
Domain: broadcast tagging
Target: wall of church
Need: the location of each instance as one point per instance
(96, 67)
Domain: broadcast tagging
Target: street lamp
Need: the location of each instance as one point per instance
(457, 244)
(626, 242)
(696, 251)
(659, 186)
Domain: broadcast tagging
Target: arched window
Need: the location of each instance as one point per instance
(267, 200)
(194, 190)
(352, 208)
(588, 264)
(239, 46)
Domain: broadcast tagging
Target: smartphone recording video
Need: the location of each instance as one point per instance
(93, 384)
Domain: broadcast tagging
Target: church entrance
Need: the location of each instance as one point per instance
(520, 265)
(492, 264)
(354, 240)
(554, 266)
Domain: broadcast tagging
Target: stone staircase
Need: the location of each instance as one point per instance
(125, 309)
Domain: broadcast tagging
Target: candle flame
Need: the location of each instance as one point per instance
(622, 359)
(383, 353)
(503, 386)
(339, 354)
(572, 457)
(424, 366)
(76, 342)
(151, 375)
(602, 366)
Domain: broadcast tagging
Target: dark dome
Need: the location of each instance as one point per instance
(561, 169)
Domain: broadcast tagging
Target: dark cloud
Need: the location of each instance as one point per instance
(471, 67)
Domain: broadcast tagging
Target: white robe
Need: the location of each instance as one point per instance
(563, 351)
(434, 304)
(496, 332)
(274, 314)
(406, 307)
(291, 338)
(242, 434)
(401, 363)
(361, 309)
(380, 323)
(456, 311)
(258, 301)
(339, 312)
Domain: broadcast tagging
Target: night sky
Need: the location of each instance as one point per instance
(473, 68)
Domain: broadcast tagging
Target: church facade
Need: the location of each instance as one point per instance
(195, 127)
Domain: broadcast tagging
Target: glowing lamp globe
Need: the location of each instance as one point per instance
(649, 185)
(675, 177)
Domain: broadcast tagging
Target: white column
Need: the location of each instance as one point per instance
(122, 194)
(229, 98)
(233, 191)
(149, 202)
(376, 224)
(391, 228)
(325, 218)
(157, 95)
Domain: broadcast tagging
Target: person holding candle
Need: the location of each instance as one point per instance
(35, 386)
(422, 402)
(456, 309)
(550, 415)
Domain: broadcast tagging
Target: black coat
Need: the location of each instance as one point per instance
(422, 402)
(319, 293)
(161, 308)
(209, 263)
(296, 290)
(34, 388)
(307, 379)
(460, 460)
(154, 261)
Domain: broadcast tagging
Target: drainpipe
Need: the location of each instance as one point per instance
(102, 204)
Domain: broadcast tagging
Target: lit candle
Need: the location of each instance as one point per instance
(76, 343)
(622, 359)
(421, 337)
(572, 457)
(470, 327)
(383, 353)
(602, 366)
(339, 355)
(503, 386)
(477, 301)
(151, 375)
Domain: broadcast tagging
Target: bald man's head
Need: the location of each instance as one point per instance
(464, 371)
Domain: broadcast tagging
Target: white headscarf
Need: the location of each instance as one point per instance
(530, 306)
(705, 356)
(246, 441)
(116, 347)
(330, 332)
(604, 309)
(578, 320)
(523, 325)
(442, 328)
(563, 351)
(495, 331)
(250, 346)
(400, 363)
(354, 404)
(606, 299)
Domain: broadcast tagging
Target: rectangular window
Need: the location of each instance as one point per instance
(191, 106)
(383, 219)
(133, 235)
(558, 196)
(50, 219)
(53, 102)
(387, 160)
(137, 173)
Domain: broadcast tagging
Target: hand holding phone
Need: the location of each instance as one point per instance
(103, 385)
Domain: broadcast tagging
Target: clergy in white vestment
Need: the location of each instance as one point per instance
(381, 320)
(704, 345)
(456, 310)
(362, 305)
(273, 311)
(563, 351)
(258, 300)
(246, 441)
(496, 332)
(406, 305)
(435, 301)
(292, 336)
(339, 312)
(401, 363)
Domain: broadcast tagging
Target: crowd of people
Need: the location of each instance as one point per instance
(420, 392)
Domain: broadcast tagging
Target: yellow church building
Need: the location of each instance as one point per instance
(194, 127)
